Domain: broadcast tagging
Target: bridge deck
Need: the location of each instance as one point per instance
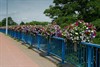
(13, 54)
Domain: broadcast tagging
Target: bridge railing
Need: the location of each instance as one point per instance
(81, 55)
(92, 54)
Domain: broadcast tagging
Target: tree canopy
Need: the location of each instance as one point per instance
(0, 23)
(97, 24)
(67, 11)
(22, 23)
(10, 21)
(37, 23)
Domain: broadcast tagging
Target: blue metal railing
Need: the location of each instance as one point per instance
(93, 54)
(81, 55)
(3, 30)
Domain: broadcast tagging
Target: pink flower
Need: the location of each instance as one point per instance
(82, 20)
(94, 34)
(66, 27)
(86, 24)
(76, 23)
(90, 26)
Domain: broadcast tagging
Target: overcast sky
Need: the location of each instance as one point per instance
(25, 10)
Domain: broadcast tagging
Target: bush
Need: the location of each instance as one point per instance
(37, 23)
(97, 24)
(97, 39)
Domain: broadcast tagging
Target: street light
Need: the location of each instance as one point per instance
(6, 17)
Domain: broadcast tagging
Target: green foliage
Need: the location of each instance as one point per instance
(97, 39)
(97, 24)
(0, 24)
(28, 23)
(37, 23)
(10, 22)
(22, 23)
(64, 10)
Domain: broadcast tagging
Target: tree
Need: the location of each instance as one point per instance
(96, 23)
(0, 24)
(10, 22)
(37, 23)
(22, 23)
(66, 11)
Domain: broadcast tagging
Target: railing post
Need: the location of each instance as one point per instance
(24, 37)
(97, 65)
(90, 57)
(38, 41)
(63, 51)
(30, 39)
(48, 47)
(20, 35)
(14, 33)
(31, 44)
(11, 33)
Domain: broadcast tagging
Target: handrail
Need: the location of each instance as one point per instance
(90, 44)
(58, 38)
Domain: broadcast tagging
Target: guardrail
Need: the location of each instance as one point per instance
(83, 55)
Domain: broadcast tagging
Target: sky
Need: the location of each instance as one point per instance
(25, 10)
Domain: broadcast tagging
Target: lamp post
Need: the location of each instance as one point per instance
(6, 17)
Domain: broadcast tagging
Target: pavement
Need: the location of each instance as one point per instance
(14, 54)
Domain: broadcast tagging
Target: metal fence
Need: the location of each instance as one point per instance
(81, 55)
